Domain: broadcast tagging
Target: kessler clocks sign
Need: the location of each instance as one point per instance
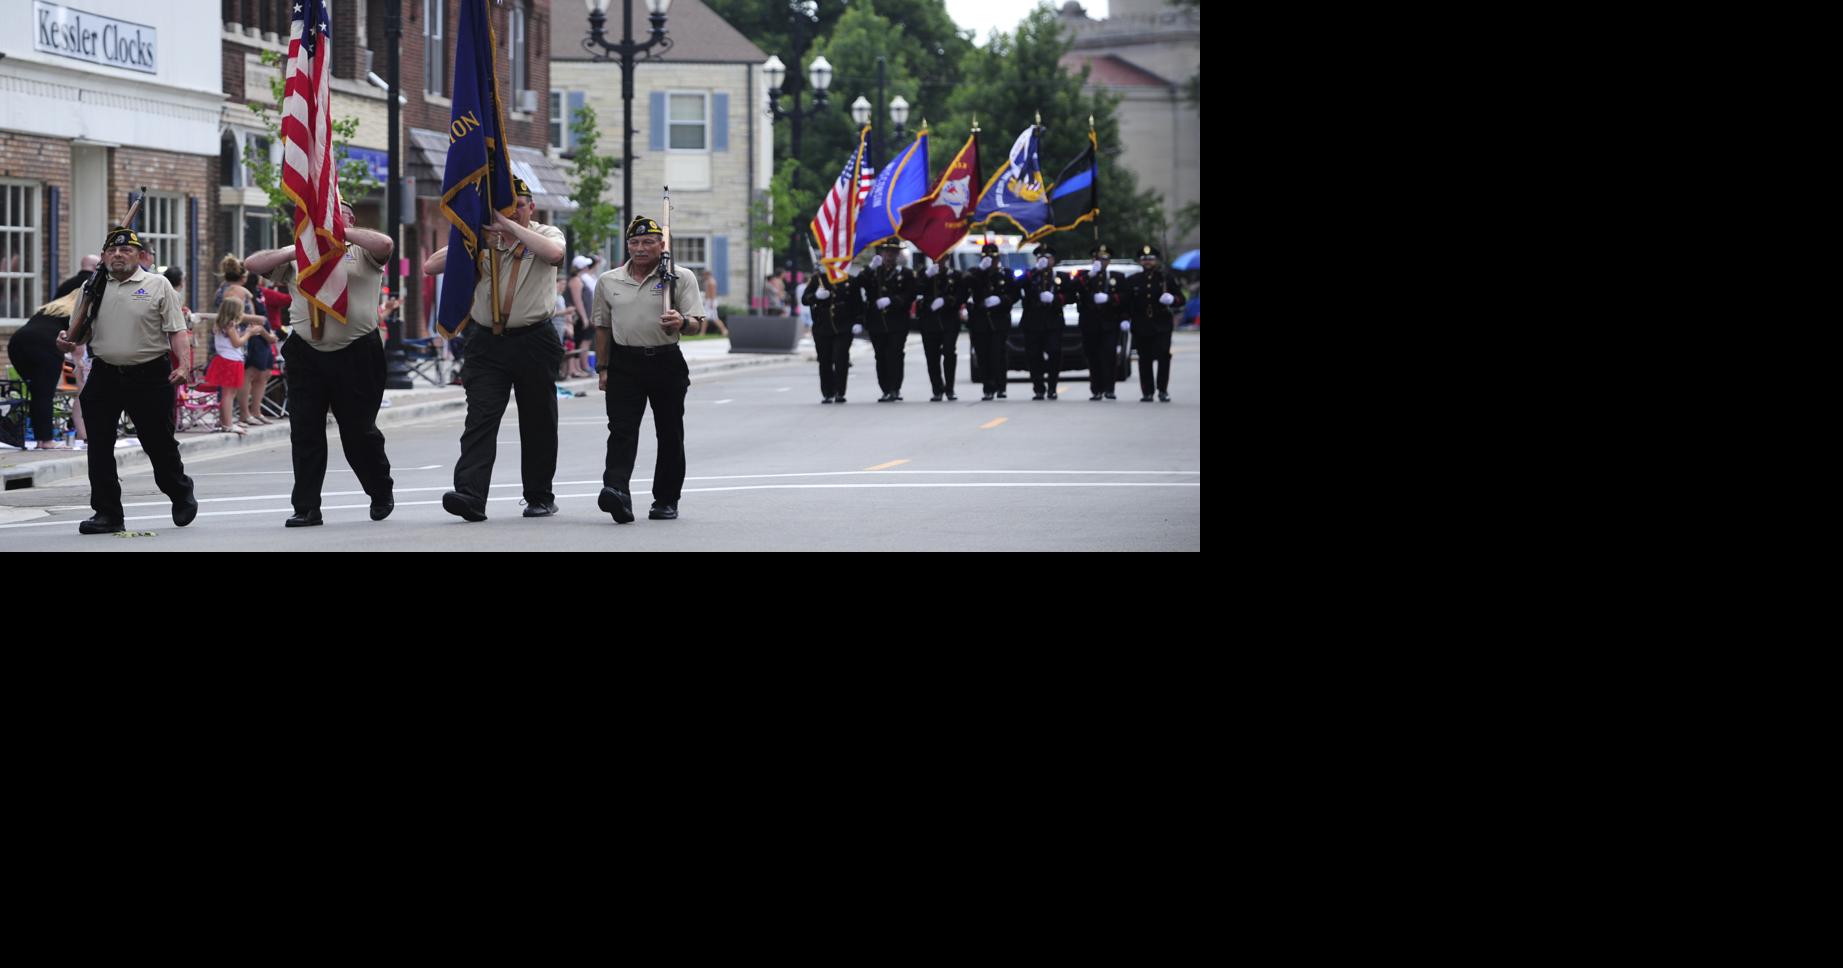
(90, 37)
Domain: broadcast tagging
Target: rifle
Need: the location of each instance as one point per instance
(91, 302)
(666, 274)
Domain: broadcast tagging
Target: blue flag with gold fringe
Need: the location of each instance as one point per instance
(478, 179)
(1016, 191)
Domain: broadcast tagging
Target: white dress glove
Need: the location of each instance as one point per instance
(937, 304)
(934, 269)
(991, 301)
(985, 263)
(823, 295)
(1167, 299)
(876, 261)
(857, 329)
(1100, 299)
(883, 303)
(1046, 297)
(1125, 326)
(1096, 267)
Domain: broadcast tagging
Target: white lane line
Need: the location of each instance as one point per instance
(724, 401)
(284, 511)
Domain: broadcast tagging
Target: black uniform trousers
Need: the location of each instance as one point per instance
(834, 361)
(940, 349)
(1098, 343)
(1038, 344)
(521, 362)
(143, 393)
(41, 363)
(637, 376)
(348, 381)
(1154, 347)
(992, 352)
(888, 341)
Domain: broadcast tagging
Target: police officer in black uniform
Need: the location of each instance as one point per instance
(834, 309)
(1152, 301)
(138, 333)
(1101, 312)
(938, 306)
(989, 295)
(886, 289)
(1045, 293)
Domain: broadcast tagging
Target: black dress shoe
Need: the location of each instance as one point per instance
(97, 524)
(1001, 394)
(1037, 396)
(986, 397)
(454, 502)
(935, 399)
(826, 400)
(663, 512)
(1052, 394)
(841, 398)
(884, 398)
(618, 504)
(1110, 396)
(381, 507)
(895, 398)
(1146, 399)
(542, 509)
(184, 510)
(1094, 397)
(951, 398)
(310, 520)
(1164, 397)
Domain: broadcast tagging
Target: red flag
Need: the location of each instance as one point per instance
(836, 224)
(310, 173)
(937, 223)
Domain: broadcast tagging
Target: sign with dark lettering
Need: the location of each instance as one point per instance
(84, 36)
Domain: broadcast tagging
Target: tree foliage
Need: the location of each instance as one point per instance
(355, 179)
(595, 221)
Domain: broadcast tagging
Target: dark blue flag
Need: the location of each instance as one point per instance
(1077, 195)
(902, 182)
(479, 175)
(1016, 190)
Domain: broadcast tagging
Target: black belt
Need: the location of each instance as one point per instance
(644, 350)
(161, 363)
(512, 331)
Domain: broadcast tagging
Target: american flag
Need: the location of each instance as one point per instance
(836, 224)
(310, 173)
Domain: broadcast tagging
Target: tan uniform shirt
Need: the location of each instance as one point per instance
(537, 283)
(632, 309)
(364, 280)
(135, 317)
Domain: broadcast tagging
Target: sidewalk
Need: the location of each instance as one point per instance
(31, 468)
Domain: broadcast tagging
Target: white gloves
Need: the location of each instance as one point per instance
(823, 294)
(1167, 299)
(1043, 263)
(876, 261)
(857, 329)
(883, 303)
(985, 263)
(1046, 297)
(937, 304)
(991, 301)
(1125, 326)
(934, 269)
(1100, 299)
(1097, 267)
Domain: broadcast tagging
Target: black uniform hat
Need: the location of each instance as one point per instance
(1045, 249)
(1100, 252)
(990, 248)
(520, 188)
(641, 225)
(122, 235)
(889, 245)
(1149, 252)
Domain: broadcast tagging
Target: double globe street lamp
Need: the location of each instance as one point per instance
(629, 52)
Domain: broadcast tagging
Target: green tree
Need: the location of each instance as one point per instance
(595, 221)
(355, 179)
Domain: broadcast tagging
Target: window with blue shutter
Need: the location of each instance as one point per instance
(576, 100)
(720, 121)
(657, 102)
(720, 264)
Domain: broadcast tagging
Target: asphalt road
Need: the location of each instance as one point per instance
(770, 470)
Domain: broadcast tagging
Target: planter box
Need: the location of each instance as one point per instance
(764, 334)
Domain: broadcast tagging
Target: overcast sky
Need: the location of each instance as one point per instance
(983, 15)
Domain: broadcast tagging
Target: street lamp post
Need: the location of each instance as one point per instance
(781, 84)
(629, 53)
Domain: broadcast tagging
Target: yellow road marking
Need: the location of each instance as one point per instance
(885, 467)
(994, 423)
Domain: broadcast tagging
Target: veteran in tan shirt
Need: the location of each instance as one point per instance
(511, 348)
(636, 352)
(138, 324)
